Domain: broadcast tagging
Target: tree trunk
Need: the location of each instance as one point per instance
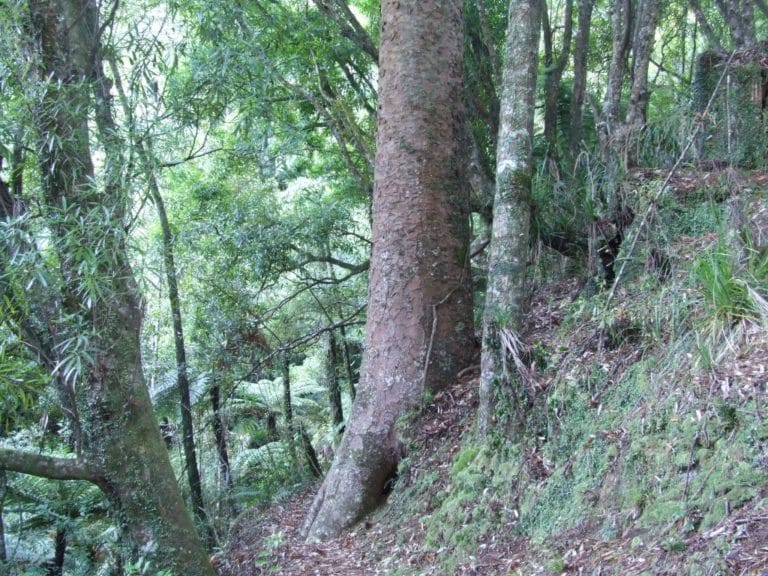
(621, 31)
(510, 239)
(182, 374)
(642, 48)
(220, 433)
(332, 380)
(3, 490)
(352, 376)
(174, 301)
(740, 17)
(553, 73)
(56, 565)
(290, 431)
(419, 329)
(309, 453)
(121, 433)
(580, 76)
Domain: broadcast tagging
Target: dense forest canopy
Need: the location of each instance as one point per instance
(243, 243)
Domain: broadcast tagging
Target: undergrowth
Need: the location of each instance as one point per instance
(640, 430)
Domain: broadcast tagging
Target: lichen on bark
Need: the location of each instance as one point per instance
(505, 295)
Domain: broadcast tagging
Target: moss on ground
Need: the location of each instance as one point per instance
(649, 444)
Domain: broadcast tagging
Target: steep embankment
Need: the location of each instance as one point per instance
(642, 443)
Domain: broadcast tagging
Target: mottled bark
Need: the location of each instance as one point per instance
(648, 12)
(580, 53)
(618, 136)
(121, 434)
(740, 17)
(505, 296)
(53, 468)
(621, 34)
(419, 327)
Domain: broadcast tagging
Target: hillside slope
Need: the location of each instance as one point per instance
(641, 443)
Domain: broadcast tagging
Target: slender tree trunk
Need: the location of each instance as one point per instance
(220, 433)
(309, 453)
(706, 27)
(580, 76)
(419, 329)
(332, 380)
(290, 430)
(56, 567)
(121, 434)
(642, 48)
(3, 490)
(174, 300)
(621, 31)
(553, 74)
(505, 296)
(352, 376)
(182, 374)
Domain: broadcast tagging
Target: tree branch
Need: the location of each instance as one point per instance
(312, 258)
(51, 467)
(189, 157)
(350, 27)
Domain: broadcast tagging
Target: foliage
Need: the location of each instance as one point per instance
(731, 291)
(259, 123)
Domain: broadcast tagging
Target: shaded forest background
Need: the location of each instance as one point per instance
(185, 244)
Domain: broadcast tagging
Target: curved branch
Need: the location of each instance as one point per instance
(51, 467)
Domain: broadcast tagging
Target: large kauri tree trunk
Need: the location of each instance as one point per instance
(510, 239)
(419, 331)
(122, 439)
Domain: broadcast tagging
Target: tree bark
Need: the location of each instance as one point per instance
(121, 433)
(621, 33)
(174, 300)
(702, 20)
(3, 490)
(220, 433)
(182, 374)
(740, 17)
(332, 380)
(642, 48)
(53, 468)
(580, 54)
(352, 375)
(56, 565)
(510, 239)
(553, 73)
(309, 453)
(419, 327)
(290, 431)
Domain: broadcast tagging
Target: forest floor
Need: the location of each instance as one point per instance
(395, 539)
